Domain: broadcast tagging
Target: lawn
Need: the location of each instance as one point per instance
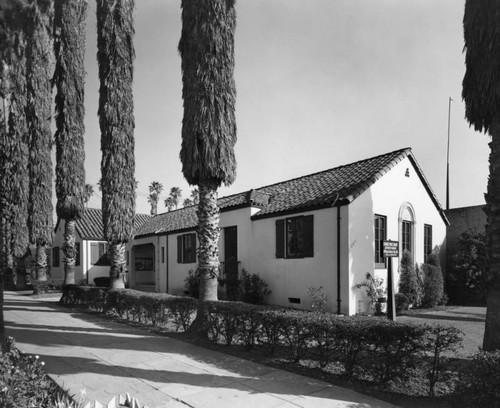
(469, 319)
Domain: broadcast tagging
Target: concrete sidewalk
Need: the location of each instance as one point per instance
(106, 358)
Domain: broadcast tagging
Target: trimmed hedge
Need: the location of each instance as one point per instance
(369, 348)
(48, 286)
(157, 309)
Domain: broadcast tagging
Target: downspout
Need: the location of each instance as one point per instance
(339, 301)
(166, 257)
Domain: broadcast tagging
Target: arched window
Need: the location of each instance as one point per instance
(407, 228)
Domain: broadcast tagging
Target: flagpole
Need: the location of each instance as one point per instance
(448, 158)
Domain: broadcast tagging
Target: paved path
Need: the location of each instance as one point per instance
(106, 358)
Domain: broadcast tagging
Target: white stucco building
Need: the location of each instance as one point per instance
(92, 260)
(324, 229)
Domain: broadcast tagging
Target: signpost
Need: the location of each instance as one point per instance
(390, 250)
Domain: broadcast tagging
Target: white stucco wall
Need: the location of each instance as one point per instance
(386, 197)
(290, 278)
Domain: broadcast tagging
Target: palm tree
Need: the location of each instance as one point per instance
(169, 203)
(481, 93)
(38, 112)
(88, 193)
(195, 196)
(115, 31)
(13, 146)
(175, 194)
(155, 188)
(209, 125)
(17, 152)
(187, 202)
(69, 76)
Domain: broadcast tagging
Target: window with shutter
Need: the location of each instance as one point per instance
(186, 248)
(295, 237)
(380, 236)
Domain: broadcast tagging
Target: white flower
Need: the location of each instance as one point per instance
(37, 357)
(42, 363)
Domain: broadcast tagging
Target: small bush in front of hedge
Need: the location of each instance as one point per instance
(479, 384)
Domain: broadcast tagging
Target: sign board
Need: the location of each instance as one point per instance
(391, 248)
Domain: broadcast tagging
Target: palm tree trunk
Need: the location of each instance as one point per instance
(118, 266)
(69, 249)
(41, 263)
(491, 339)
(208, 237)
(208, 252)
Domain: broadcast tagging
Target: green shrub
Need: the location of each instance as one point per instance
(192, 284)
(375, 288)
(319, 299)
(48, 286)
(437, 340)
(23, 382)
(408, 283)
(433, 286)
(479, 384)
(402, 302)
(253, 288)
(465, 276)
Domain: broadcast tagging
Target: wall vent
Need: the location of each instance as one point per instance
(294, 300)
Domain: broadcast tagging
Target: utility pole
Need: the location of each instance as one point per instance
(448, 158)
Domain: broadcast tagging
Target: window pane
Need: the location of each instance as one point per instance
(380, 236)
(295, 237)
(427, 241)
(406, 236)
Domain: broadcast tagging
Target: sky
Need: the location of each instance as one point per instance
(320, 83)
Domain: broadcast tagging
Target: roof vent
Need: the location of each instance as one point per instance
(407, 174)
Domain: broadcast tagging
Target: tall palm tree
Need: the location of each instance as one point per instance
(88, 193)
(481, 93)
(195, 196)
(69, 76)
(209, 125)
(18, 152)
(115, 55)
(175, 195)
(169, 203)
(155, 188)
(39, 61)
(13, 145)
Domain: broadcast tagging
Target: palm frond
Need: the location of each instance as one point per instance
(209, 92)
(69, 76)
(115, 56)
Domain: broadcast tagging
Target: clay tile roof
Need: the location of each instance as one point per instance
(337, 186)
(90, 226)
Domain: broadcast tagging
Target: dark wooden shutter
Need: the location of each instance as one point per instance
(308, 225)
(192, 248)
(179, 249)
(280, 238)
(77, 254)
